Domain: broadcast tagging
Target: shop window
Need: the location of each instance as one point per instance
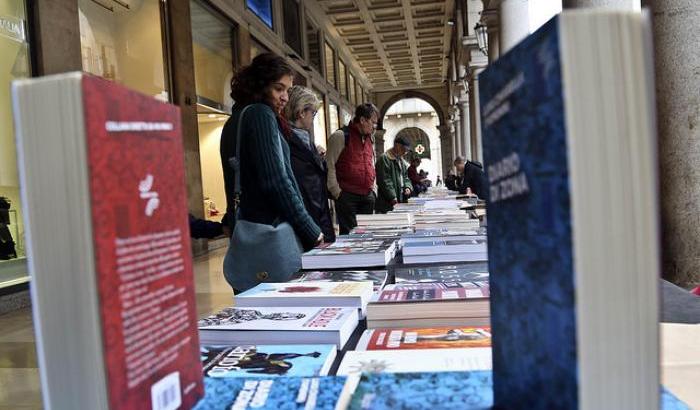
(262, 9)
(14, 64)
(212, 47)
(313, 38)
(351, 89)
(123, 42)
(342, 79)
(333, 118)
(320, 121)
(292, 25)
(330, 65)
(346, 116)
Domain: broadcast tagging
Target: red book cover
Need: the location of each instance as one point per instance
(429, 338)
(142, 248)
(423, 292)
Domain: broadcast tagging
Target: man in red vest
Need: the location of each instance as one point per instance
(351, 176)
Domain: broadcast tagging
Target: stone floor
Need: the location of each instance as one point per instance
(19, 377)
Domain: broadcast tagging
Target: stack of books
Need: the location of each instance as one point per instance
(430, 305)
(350, 253)
(445, 250)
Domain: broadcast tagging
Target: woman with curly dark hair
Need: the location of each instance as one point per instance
(270, 225)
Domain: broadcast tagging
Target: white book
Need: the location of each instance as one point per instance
(416, 360)
(350, 254)
(337, 294)
(447, 257)
(279, 325)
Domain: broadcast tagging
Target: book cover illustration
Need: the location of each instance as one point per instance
(378, 277)
(307, 289)
(446, 390)
(429, 338)
(264, 360)
(142, 245)
(463, 272)
(289, 318)
(351, 247)
(282, 393)
(433, 291)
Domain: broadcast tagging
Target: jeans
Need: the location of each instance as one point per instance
(348, 205)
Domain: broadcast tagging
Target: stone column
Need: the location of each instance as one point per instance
(457, 124)
(475, 114)
(677, 49)
(446, 145)
(606, 4)
(466, 134)
(514, 23)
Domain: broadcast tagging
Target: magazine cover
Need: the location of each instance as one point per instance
(267, 360)
(425, 338)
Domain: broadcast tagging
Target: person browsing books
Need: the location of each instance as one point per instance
(309, 167)
(270, 217)
(393, 183)
(453, 181)
(474, 180)
(351, 176)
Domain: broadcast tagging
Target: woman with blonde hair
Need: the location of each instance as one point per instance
(309, 168)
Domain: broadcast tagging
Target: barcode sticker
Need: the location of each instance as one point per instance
(165, 394)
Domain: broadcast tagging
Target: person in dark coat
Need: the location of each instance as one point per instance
(474, 180)
(309, 167)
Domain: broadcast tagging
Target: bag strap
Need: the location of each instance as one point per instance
(235, 161)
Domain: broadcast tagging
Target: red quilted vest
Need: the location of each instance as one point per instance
(355, 166)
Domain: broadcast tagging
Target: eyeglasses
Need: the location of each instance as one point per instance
(313, 112)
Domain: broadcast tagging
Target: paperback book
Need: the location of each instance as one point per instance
(105, 204)
(430, 305)
(410, 361)
(279, 325)
(463, 272)
(350, 254)
(378, 277)
(424, 338)
(338, 294)
(568, 124)
(267, 360)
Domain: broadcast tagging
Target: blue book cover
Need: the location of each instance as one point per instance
(531, 159)
(530, 234)
(443, 390)
(282, 393)
(267, 360)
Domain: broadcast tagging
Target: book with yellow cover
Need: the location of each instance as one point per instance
(424, 338)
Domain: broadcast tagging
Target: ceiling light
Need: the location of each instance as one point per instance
(211, 115)
(450, 22)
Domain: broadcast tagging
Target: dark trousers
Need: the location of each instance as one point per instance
(348, 205)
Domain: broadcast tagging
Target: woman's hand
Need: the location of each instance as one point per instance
(319, 240)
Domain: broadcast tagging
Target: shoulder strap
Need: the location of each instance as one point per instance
(235, 161)
(346, 133)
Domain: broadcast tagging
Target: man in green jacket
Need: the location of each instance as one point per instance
(393, 183)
